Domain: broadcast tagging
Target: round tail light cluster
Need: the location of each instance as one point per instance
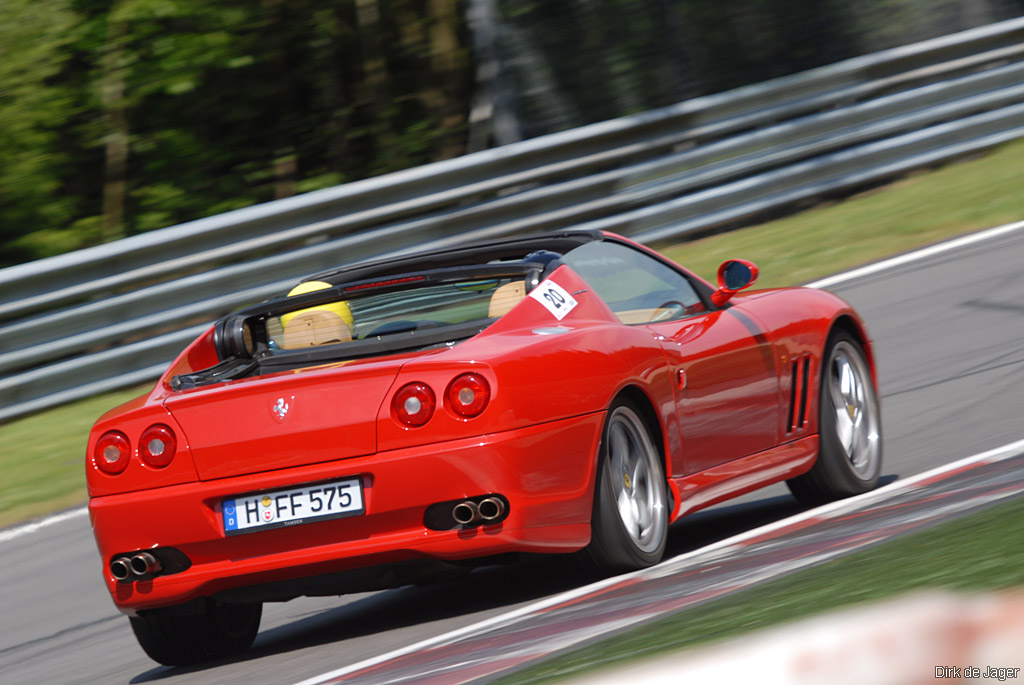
(157, 446)
(466, 396)
(413, 404)
(113, 450)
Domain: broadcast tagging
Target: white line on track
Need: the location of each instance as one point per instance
(671, 565)
(877, 267)
(12, 533)
(916, 255)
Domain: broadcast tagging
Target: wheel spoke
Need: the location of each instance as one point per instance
(634, 510)
(844, 429)
(643, 514)
(639, 476)
(835, 392)
(856, 450)
(625, 506)
(848, 379)
(619, 449)
(858, 397)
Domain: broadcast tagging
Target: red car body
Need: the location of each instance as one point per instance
(729, 385)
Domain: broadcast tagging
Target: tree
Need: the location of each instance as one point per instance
(34, 35)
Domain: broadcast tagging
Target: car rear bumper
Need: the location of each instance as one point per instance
(545, 472)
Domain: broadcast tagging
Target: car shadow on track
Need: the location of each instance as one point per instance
(484, 590)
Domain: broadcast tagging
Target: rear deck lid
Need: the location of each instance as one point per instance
(284, 420)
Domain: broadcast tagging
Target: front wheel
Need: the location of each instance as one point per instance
(175, 638)
(629, 525)
(850, 426)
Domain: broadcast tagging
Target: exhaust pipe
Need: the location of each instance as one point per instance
(466, 512)
(491, 508)
(145, 563)
(120, 568)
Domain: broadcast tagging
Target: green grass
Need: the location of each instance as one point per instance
(984, 551)
(41, 458)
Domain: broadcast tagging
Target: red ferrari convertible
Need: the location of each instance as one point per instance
(396, 421)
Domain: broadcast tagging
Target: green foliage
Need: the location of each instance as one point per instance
(34, 35)
(122, 116)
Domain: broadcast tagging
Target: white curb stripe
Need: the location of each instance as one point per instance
(12, 533)
(917, 255)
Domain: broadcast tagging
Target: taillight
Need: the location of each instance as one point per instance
(413, 404)
(112, 452)
(468, 395)
(157, 445)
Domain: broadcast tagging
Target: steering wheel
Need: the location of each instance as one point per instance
(672, 309)
(403, 326)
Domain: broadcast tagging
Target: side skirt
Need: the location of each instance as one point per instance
(740, 476)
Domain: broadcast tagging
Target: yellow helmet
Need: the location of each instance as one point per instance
(340, 308)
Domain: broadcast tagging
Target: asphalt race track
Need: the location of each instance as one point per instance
(947, 331)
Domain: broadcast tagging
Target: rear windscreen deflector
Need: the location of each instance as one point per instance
(249, 341)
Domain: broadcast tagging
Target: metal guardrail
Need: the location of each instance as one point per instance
(116, 314)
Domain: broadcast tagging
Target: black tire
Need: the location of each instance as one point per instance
(174, 638)
(849, 424)
(629, 524)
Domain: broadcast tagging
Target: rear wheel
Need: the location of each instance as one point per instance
(175, 638)
(629, 526)
(849, 421)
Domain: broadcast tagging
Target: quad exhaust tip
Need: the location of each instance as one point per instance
(491, 508)
(466, 512)
(479, 510)
(121, 568)
(141, 564)
(144, 564)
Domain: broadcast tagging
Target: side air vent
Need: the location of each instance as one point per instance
(800, 375)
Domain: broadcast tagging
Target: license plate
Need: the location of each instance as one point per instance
(293, 507)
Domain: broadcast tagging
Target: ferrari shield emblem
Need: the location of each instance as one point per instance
(280, 407)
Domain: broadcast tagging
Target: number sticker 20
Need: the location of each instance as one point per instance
(555, 299)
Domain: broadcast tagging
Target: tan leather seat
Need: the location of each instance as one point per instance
(506, 297)
(312, 328)
(638, 316)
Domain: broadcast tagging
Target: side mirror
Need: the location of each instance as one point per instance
(733, 276)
